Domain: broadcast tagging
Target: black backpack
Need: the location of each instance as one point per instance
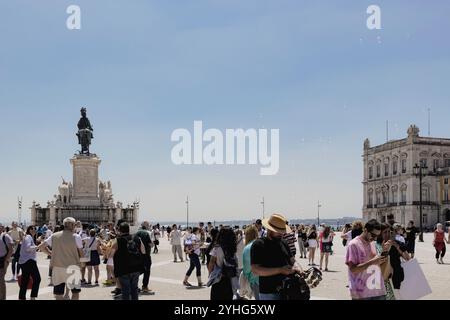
(294, 287)
(134, 256)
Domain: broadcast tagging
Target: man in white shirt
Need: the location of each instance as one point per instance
(175, 241)
(66, 252)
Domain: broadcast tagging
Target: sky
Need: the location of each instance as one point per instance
(144, 68)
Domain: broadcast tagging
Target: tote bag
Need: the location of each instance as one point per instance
(415, 285)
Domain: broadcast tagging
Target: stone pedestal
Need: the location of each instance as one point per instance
(85, 180)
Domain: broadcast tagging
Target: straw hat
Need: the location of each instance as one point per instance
(276, 223)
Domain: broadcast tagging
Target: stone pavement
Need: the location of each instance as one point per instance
(166, 277)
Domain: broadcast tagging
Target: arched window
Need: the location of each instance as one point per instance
(403, 193)
(394, 194)
(394, 165)
(403, 165)
(425, 192)
(386, 167)
(370, 197)
(378, 197)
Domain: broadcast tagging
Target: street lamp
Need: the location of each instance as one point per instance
(187, 213)
(318, 213)
(418, 171)
(263, 207)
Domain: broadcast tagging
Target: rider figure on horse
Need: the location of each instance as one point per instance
(84, 134)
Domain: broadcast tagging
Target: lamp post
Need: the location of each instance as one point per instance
(439, 174)
(418, 171)
(318, 213)
(187, 213)
(263, 207)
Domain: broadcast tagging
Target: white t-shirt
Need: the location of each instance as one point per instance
(27, 250)
(175, 238)
(218, 253)
(78, 241)
(192, 239)
(89, 240)
(48, 233)
(15, 234)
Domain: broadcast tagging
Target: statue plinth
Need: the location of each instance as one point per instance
(85, 180)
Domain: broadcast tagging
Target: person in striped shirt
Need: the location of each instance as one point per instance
(291, 240)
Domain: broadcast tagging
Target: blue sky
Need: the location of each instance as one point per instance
(144, 68)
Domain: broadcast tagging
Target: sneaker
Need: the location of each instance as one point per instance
(107, 283)
(96, 283)
(326, 269)
(438, 262)
(89, 283)
(116, 291)
(442, 261)
(187, 284)
(148, 291)
(182, 260)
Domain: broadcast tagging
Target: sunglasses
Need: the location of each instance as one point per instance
(373, 235)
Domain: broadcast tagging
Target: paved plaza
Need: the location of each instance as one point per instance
(166, 277)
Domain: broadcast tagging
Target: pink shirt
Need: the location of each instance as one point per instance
(368, 283)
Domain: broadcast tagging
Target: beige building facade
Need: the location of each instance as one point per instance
(390, 184)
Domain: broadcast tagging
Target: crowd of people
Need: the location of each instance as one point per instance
(375, 253)
(242, 263)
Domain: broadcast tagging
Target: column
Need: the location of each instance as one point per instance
(52, 208)
(33, 214)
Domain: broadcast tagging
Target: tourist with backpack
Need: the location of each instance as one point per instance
(6, 251)
(128, 262)
(144, 235)
(223, 265)
(271, 258)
